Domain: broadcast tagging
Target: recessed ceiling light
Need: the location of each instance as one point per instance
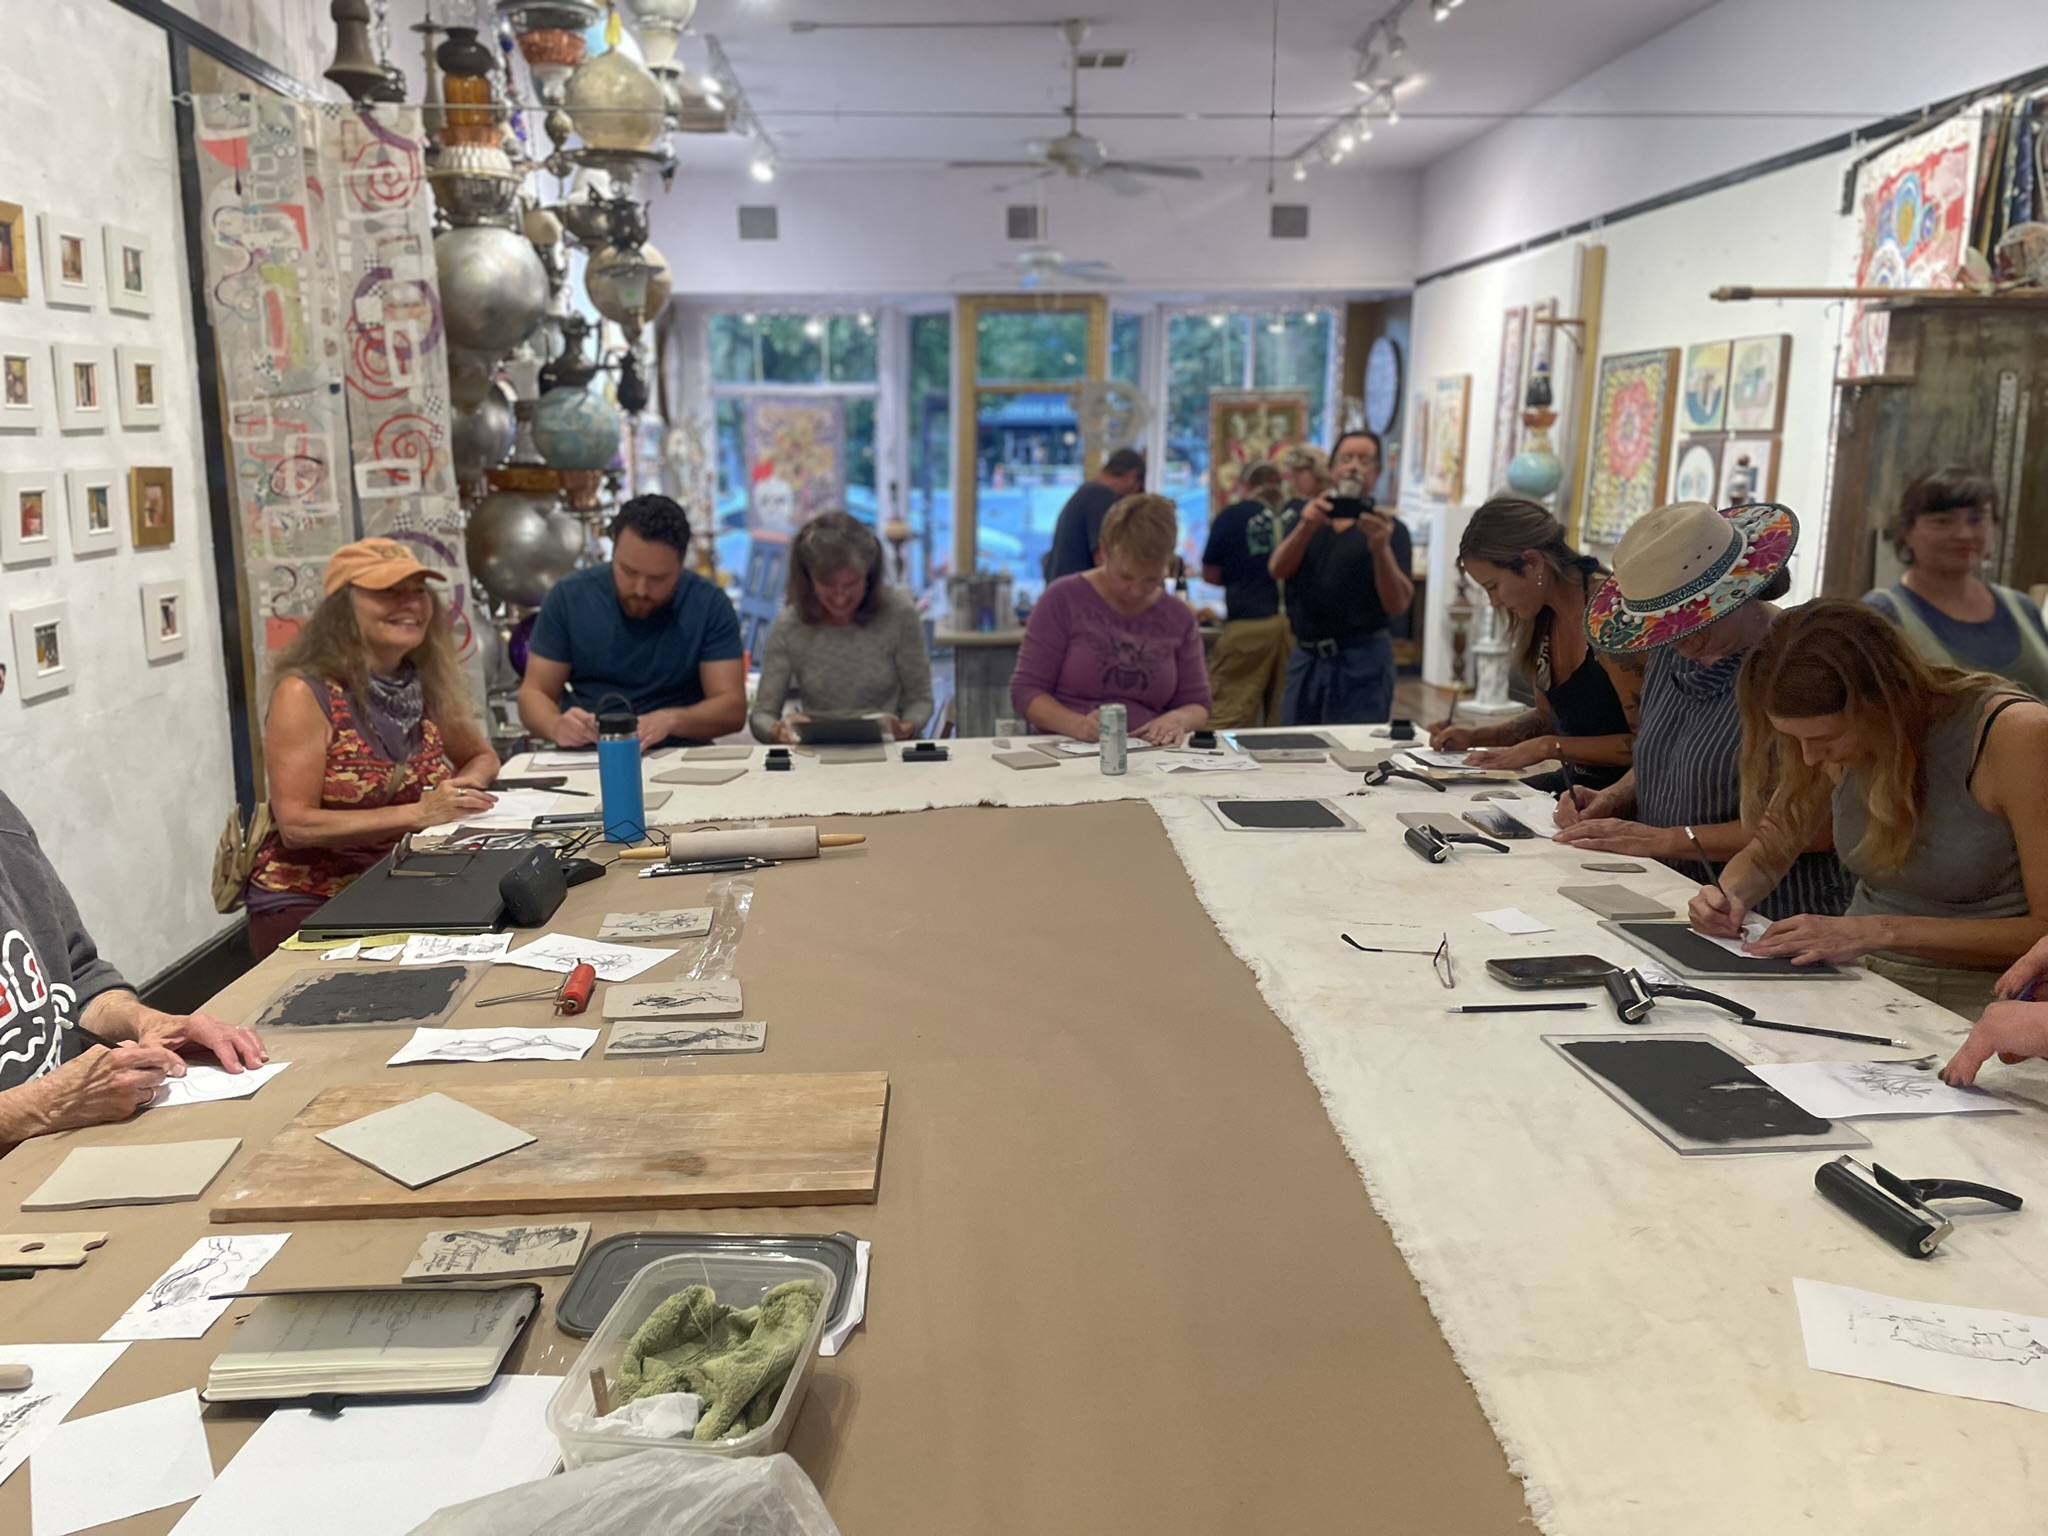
(1300, 171)
(763, 168)
(1347, 141)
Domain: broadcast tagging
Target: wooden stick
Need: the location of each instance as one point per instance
(841, 839)
(600, 1394)
(1737, 294)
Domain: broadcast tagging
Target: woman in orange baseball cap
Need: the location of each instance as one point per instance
(372, 733)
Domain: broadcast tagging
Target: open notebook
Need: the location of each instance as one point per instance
(379, 1341)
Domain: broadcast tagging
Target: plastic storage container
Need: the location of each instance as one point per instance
(738, 1281)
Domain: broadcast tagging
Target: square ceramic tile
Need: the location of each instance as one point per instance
(426, 1139)
(153, 1175)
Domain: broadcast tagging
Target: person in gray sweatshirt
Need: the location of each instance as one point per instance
(77, 1046)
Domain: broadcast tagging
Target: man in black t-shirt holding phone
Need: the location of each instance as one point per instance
(1345, 566)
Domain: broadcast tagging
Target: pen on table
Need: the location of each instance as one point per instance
(1519, 1008)
(1713, 874)
(1828, 1034)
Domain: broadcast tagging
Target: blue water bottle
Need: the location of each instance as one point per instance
(618, 775)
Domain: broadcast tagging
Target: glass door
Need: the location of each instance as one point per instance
(1021, 453)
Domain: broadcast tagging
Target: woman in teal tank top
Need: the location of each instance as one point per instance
(1949, 613)
(1930, 780)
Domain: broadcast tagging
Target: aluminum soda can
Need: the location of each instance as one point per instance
(1115, 747)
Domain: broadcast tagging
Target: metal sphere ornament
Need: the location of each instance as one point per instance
(660, 24)
(576, 428)
(481, 438)
(628, 286)
(615, 103)
(517, 547)
(494, 289)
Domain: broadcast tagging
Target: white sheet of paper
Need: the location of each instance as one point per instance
(835, 1339)
(1094, 748)
(1539, 816)
(120, 1463)
(458, 948)
(559, 760)
(64, 1373)
(1851, 1090)
(379, 1469)
(346, 951)
(1998, 1357)
(1753, 927)
(563, 952)
(495, 1045)
(515, 808)
(384, 952)
(203, 1084)
(1430, 759)
(1231, 764)
(1513, 920)
(179, 1303)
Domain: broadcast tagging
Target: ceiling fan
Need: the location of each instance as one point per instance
(1041, 268)
(1077, 154)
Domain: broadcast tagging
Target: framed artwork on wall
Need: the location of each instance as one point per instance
(92, 495)
(1507, 395)
(42, 648)
(28, 518)
(1631, 446)
(152, 514)
(141, 379)
(1756, 384)
(68, 277)
(1449, 400)
(84, 378)
(1749, 470)
(131, 270)
(24, 384)
(1703, 406)
(163, 619)
(1696, 469)
(1244, 427)
(14, 261)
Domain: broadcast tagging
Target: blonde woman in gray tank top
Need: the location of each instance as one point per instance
(1931, 779)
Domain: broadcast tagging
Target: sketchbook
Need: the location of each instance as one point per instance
(378, 1341)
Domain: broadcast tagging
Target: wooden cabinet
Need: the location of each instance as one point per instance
(1966, 384)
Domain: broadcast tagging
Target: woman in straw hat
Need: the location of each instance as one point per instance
(1931, 781)
(372, 733)
(1694, 590)
(1585, 714)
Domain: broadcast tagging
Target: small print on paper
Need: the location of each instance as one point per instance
(562, 953)
(558, 1044)
(180, 1303)
(458, 948)
(1998, 1357)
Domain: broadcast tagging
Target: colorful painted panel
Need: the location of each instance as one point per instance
(1631, 449)
(1912, 218)
(1756, 383)
(1703, 407)
(796, 462)
(1246, 426)
(1449, 402)
(1507, 395)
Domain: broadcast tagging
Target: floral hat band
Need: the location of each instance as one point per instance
(1685, 566)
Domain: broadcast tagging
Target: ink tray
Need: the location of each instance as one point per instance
(609, 1267)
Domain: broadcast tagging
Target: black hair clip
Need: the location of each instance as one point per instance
(1380, 772)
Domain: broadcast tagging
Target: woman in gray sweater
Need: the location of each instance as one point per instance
(844, 643)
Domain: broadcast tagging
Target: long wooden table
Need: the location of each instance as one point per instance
(1125, 1278)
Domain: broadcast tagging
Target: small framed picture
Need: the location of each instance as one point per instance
(1696, 469)
(163, 619)
(141, 372)
(1749, 470)
(84, 379)
(13, 252)
(24, 384)
(42, 648)
(69, 281)
(1756, 383)
(131, 270)
(92, 495)
(28, 518)
(152, 515)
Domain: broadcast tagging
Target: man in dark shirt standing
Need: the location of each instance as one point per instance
(1345, 566)
(1079, 531)
(1248, 666)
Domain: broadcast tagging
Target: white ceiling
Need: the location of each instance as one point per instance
(1197, 90)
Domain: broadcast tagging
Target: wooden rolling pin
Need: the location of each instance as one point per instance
(748, 842)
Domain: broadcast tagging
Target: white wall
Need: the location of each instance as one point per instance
(1778, 230)
(126, 776)
(291, 35)
(1857, 60)
(861, 232)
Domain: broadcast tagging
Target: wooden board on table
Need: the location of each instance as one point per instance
(603, 1144)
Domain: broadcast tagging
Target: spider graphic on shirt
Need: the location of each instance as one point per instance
(1126, 663)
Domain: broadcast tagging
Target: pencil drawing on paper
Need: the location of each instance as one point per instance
(193, 1277)
(498, 1250)
(2012, 1344)
(1886, 1079)
(677, 1040)
(491, 1047)
(16, 1413)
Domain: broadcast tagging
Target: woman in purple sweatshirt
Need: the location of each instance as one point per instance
(1113, 636)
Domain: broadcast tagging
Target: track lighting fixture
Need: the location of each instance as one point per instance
(763, 167)
(1300, 170)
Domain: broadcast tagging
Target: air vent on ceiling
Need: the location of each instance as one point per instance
(1119, 59)
(1022, 222)
(760, 223)
(1290, 221)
